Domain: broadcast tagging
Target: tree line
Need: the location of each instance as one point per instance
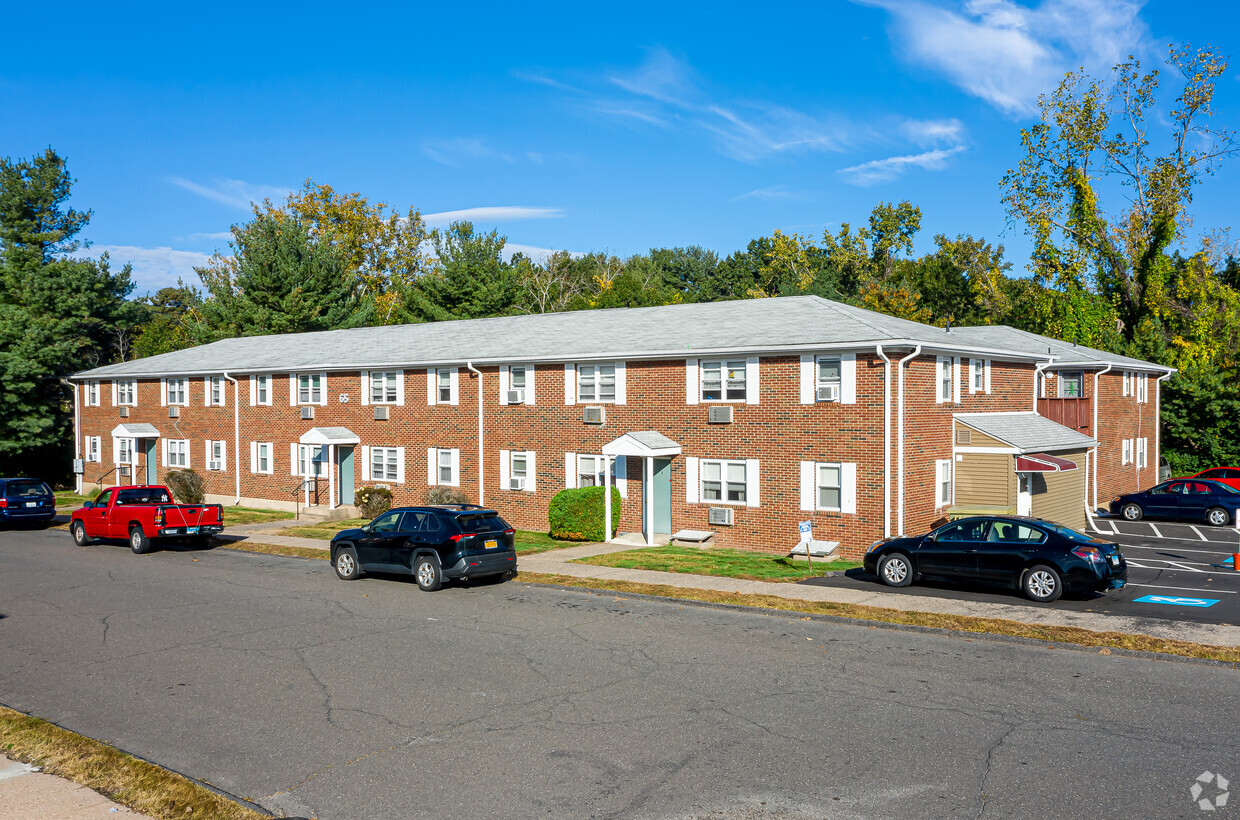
(1103, 187)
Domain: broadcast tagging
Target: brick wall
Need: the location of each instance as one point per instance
(1121, 417)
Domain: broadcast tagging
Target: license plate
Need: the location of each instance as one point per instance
(191, 530)
(492, 545)
(1114, 561)
(32, 503)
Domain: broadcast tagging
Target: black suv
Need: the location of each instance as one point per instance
(431, 543)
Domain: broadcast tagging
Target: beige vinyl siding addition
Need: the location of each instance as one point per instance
(985, 479)
(1060, 497)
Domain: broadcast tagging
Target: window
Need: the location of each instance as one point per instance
(723, 381)
(384, 464)
(828, 378)
(127, 393)
(215, 391)
(311, 461)
(444, 460)
(977, 375)
(974, 530)
(945, 376)
(1126, 451)
(124, 450)
(260, 457)
(443, 378)
(596, 382)
(723, 481)
(383, 386)
(177, 451)
(517, 470)
(590, 471)
(1143, 383)
(309, 389)
(1142, 444)
(443, 467)
(260, 389)
(92, 448)
(1010, 532)
(829, 487)
(516, 378)
(176, 392)
(1071, 384)
(146, 495)
(942, 483)
(92, 394)
(215, 455)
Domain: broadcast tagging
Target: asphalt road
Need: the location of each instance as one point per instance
(274, 681)
(1175, 572)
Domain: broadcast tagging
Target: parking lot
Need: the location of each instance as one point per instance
(1175, 572)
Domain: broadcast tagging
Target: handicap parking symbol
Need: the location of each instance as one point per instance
(1175, 601)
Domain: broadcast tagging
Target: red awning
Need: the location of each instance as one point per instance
(1042, 463)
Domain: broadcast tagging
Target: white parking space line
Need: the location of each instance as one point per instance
(1199, 535)
(1155, 529)
(1183, 566)
(1185, 589)
(1165, 537)
(1177, 549)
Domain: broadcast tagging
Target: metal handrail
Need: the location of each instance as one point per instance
(297, 490)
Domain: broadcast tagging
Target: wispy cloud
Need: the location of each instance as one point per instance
(1007, 54)
(234, 193)
(492, 213)
(885, 170)
(153, 268)
(663, 77)
(460, 151)
(771, 192)
(215, 236)
(932, 132)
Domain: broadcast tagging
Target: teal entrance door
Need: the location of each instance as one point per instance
(662, 485)
(151, 463)
(344, 458)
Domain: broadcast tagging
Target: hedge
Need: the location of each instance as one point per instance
(577, 515)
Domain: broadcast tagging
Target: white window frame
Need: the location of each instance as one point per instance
(819, 486)
(508, 461)
(1062, 380)
(724, 367)
(593, 376)
(598, 464)
(1126, 452)
(310, 394)
(122, 447)
(943, 475)
(258, 451)
(214, 392)
(92, 449)
(261, 383)
(725, 483)
(214, 446)
(433, 393)
(1143, 388)
(819, 381)
(1142, 453)
(92, 394)
(945, 377)
(435, 457)
(176, 453)
(391, 458)
(979, 375)
(127, 392)
(176, 392)
(312, 460)
(390, 386)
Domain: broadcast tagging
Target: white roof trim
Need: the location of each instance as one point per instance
(138, 430)
(329, 435)
(648, 444)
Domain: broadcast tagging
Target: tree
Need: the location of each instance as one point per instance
(279, 279)
(546, 287)
(56, 311)
(471, 281)
(166, 325)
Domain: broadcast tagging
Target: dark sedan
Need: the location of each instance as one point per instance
(1184, 499)
(1039, 557)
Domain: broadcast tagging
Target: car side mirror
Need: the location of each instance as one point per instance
(929, 539)
(88, 505)
(365, 527)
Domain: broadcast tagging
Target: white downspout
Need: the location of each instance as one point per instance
(886, 440)
(77, 433)
(1094, 431)
(900, 435)
(481, 462)
(236, 459)
(1037, 372)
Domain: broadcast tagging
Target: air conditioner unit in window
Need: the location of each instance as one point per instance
(381, 414)
(174, 412)
(124, 412)
(516, 483)
(829, 392)
(593, 415)
(214, 465)
(516, 396)
(721, 515)
(122, 471)
(719, 415)
(307, 412)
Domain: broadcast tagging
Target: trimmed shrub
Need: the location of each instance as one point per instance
(373, 501)
(187, 486)
(446, 495)
(577, 515)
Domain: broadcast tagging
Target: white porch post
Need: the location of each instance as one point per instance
(331, 476)
(607, 498)
(648, 489)
(306, 465)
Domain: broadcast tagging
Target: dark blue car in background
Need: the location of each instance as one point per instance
(26, 500)
(1185, 499)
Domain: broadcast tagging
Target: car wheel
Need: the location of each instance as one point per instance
(1042, 584)
(426, 571)
(347, 568)
(1133, 512)
(1218, 517)
(138, 542)
(79, 534)
(896, 570)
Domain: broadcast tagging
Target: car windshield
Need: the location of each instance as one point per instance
(481, 523)
(153, 495)
(1067, 532)
(17, 489)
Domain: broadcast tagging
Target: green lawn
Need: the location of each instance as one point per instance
(529, 543)
(325, 531)
(68, 498)
(249, 515)
(749, 566)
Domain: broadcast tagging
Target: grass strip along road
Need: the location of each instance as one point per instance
(728, 563)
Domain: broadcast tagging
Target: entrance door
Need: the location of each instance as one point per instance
(661, 483)
(151, 462)
(344, 459)
(1024, 493)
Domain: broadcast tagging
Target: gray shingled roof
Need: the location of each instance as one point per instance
(1011, 338)
(1027, 431)
(748, 325)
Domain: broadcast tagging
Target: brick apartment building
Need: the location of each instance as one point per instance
(739, 418)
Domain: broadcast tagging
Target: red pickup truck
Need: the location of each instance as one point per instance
(143, 514)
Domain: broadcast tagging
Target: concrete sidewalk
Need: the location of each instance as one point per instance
(268, 532)
(27, 794)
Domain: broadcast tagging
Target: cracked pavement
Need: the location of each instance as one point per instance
(273, 681)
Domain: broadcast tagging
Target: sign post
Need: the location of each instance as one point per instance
(807, 535)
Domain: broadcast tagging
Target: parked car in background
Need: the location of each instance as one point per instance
(1223, 475)
(1039, 557)
(1182, 499)
(26, 501)
(431, 543)
(144, 515)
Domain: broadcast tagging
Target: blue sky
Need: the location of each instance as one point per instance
(616, 128)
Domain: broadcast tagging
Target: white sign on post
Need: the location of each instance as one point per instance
(807, 534)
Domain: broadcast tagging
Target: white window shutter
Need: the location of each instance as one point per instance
(400, 465)
(323, 391)
(365, 387)
(504, 468)
(691, 479)
(432, 387)
(115, 399)
(692, 389)
(570, 470)
(165, 443)
(223, 454)
(454, 383)
(163, 392)
(752, 386)
(292, 389)
(809, 485)
(293, 465)
(456, 467)
(570, 384)
(938, 380)
(208, 443)
(529, 386)
(809, 379)
(531, 471)
(956, 380)
(253, 456)
(253, 392)
(848, 378)
(620, 472)
(751, 482)
(503, 384)
(621, 392)
(206, 391)
(367, 475)
(848, 487)
(986, 374)
(432, 466)
(400, 388)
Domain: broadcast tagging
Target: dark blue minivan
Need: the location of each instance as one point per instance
(26, 500)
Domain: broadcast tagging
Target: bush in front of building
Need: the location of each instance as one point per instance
(373, 501)
(446, 495)
(577, 515)
(187, 486)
